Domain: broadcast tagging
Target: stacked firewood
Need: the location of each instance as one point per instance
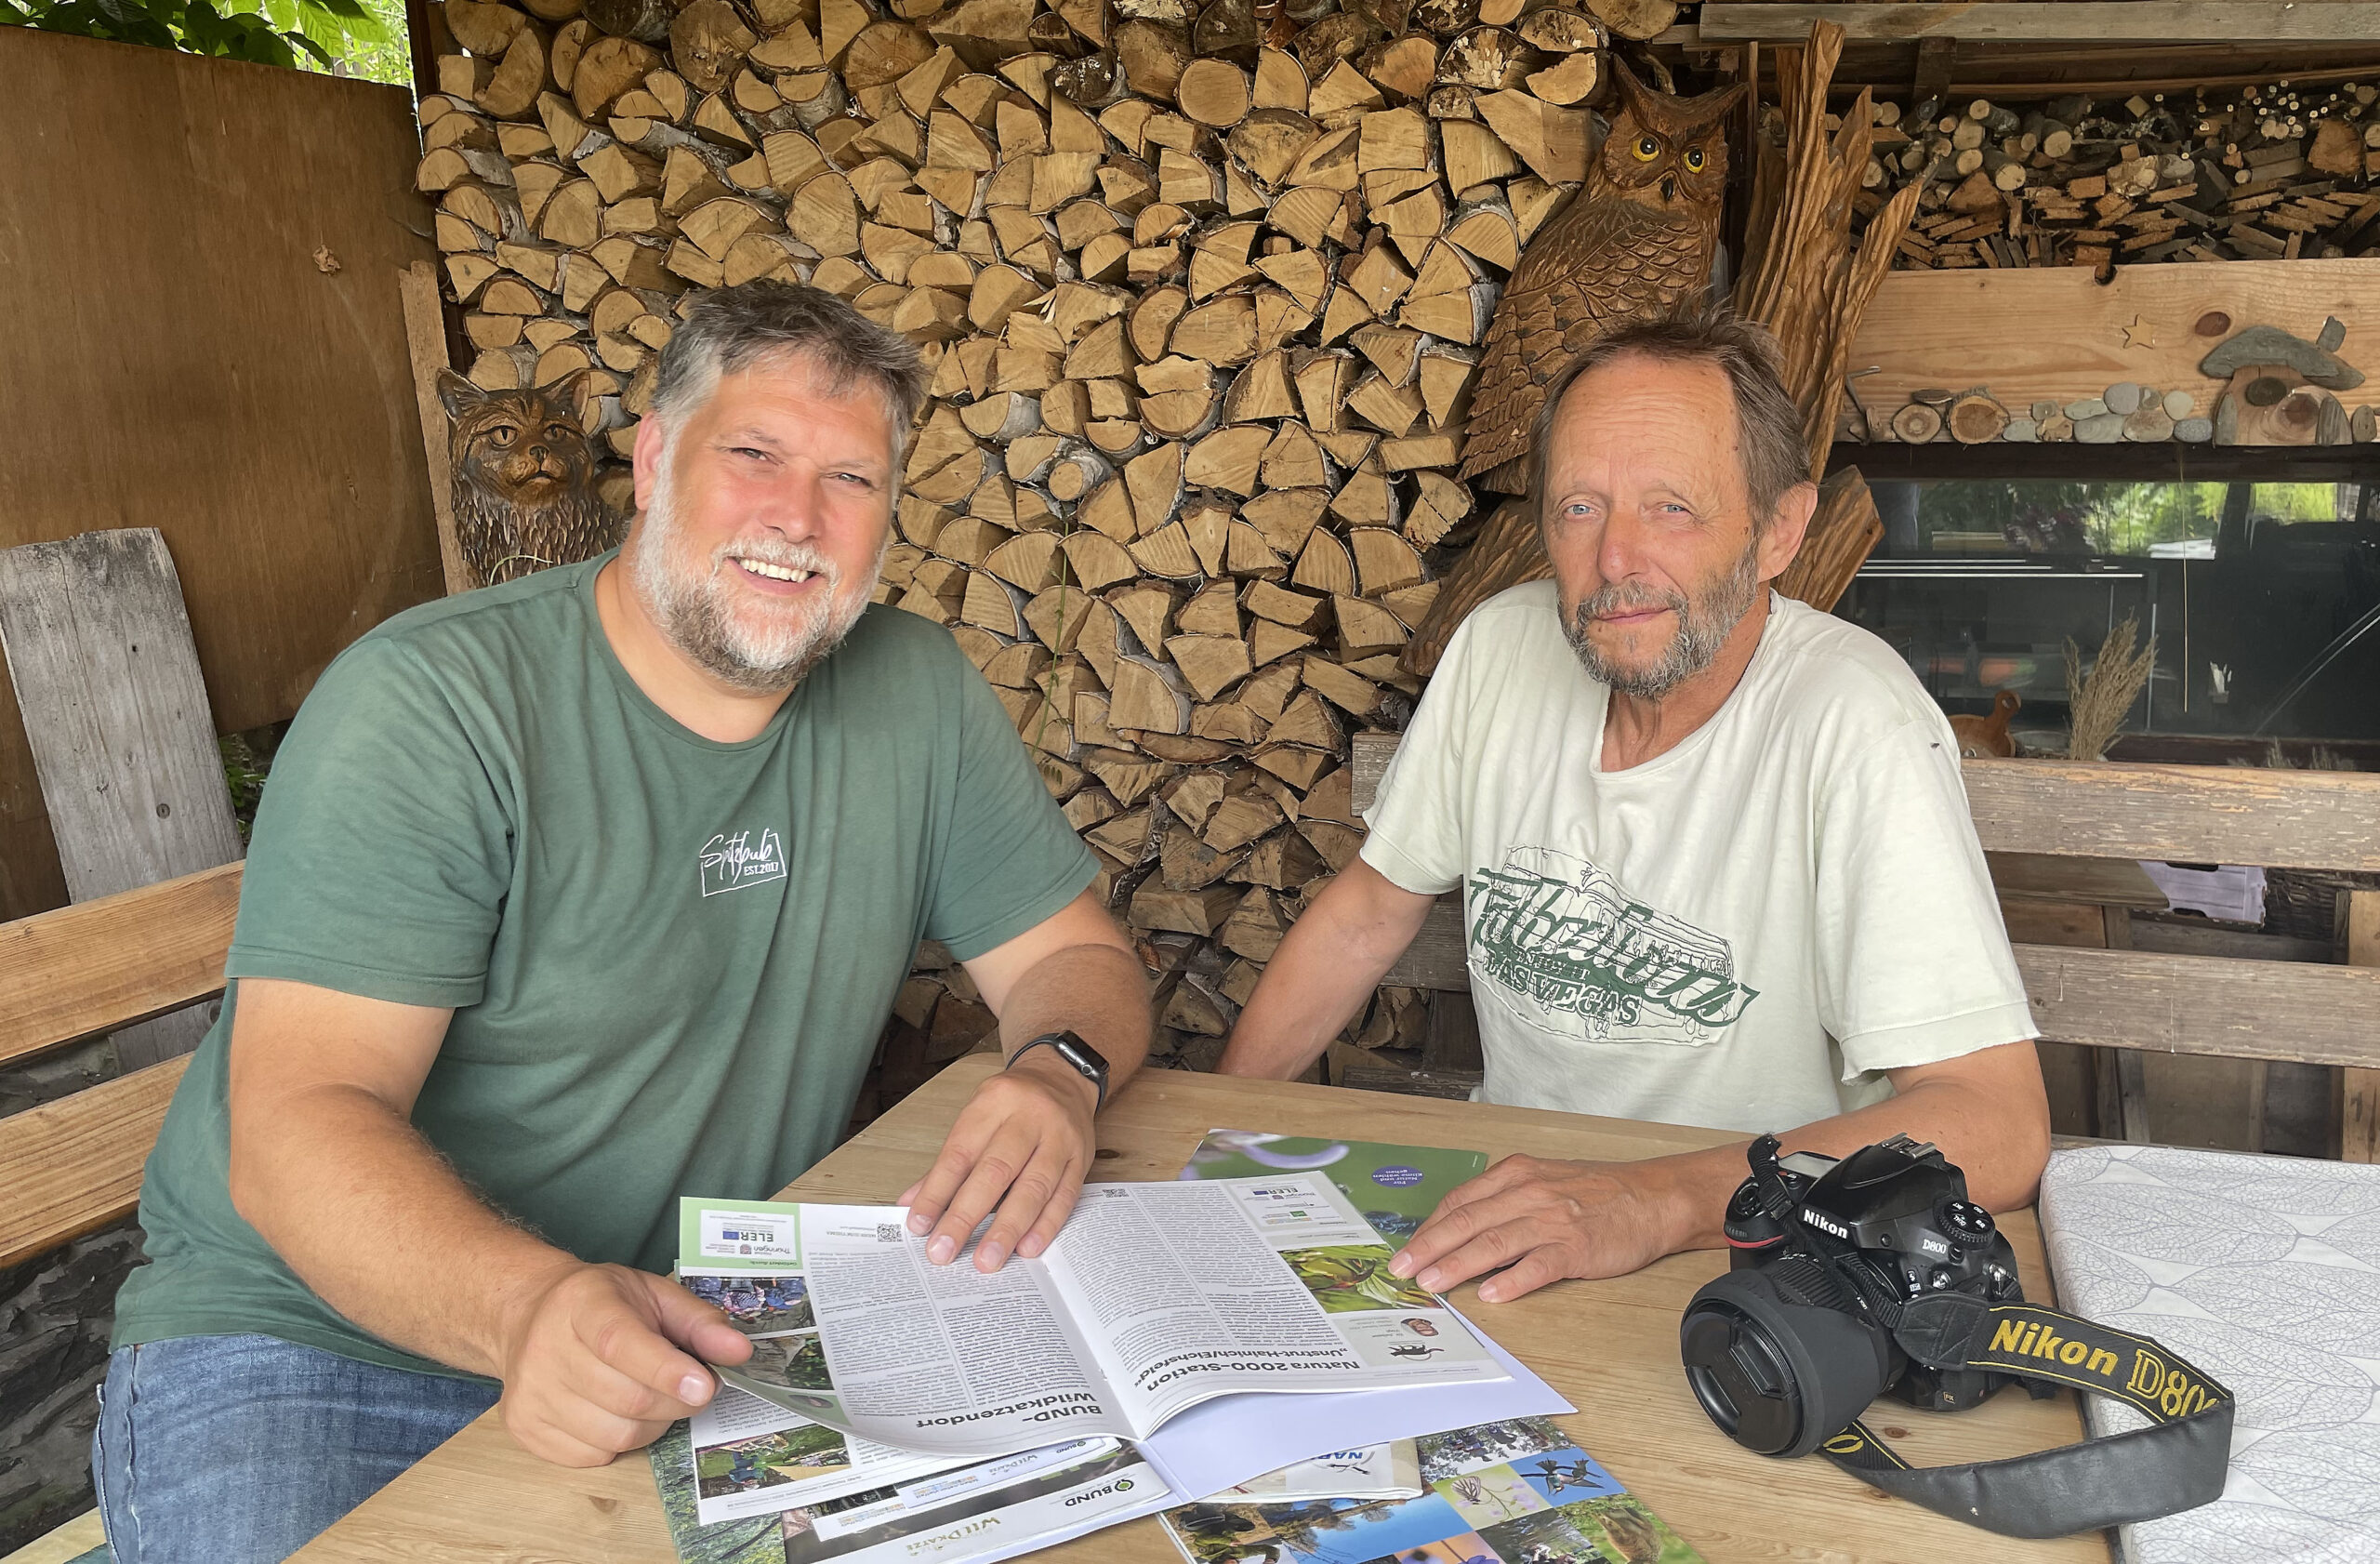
(1202, 291)
(2266, 173)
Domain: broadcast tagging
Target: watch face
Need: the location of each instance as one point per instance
(1082, 1056)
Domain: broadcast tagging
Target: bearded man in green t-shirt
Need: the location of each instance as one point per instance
(570, 897)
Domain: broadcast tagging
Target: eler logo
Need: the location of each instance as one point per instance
(730, 863)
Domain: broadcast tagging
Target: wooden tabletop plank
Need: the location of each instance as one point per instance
(1610, 1347)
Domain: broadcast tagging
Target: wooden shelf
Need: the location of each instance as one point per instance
(2018, 69)
(2057, 334)
(2159, 22)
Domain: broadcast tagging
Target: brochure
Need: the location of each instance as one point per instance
(1397, 1188)
(1516, 1491)
(974, 1514)
(752, 1457)
(1154, 1298)
(1389, 1471)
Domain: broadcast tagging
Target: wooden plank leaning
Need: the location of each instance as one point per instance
(99, 648)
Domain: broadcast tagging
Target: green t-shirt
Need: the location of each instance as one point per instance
(669, 958)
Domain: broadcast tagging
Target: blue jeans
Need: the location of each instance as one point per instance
(239, 1449)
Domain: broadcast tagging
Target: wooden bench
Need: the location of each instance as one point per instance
(73, 1165)
(2117, 997)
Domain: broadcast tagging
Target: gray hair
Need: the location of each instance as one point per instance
(1768, 425)
(728, 330)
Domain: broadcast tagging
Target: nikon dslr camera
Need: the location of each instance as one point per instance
(1789, 1347)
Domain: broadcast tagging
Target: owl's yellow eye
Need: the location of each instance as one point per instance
(1646, 149)
(1694, 159)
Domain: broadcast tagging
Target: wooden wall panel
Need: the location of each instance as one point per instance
(207, 338)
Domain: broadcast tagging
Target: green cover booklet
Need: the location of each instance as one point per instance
(1397, 1188)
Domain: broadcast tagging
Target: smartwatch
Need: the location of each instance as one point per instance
(1074, 1051)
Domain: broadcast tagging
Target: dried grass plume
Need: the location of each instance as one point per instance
(2100, 701)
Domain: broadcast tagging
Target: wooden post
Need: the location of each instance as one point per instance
(426, 337)
(2360, 1119)
(2123, 1074)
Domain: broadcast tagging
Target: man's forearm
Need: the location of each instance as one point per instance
(2000, 1157)
(1096, 991)
(1332, 958)
(384, 1230)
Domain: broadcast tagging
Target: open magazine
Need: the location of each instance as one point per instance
(753, 1457)
(1154, 1298)
(1515, 1491)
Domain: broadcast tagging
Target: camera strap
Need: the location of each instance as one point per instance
(2174, 1464)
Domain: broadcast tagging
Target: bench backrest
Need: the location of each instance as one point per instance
(2124, 998)
(73, 1165)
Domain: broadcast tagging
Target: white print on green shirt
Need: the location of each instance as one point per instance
(730, 863)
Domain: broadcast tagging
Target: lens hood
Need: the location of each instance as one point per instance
(1779, 1361)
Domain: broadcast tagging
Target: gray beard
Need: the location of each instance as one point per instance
(1703, 625)
(693, 608)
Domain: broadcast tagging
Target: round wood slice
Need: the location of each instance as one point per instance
(1213, 92)
(1916, 423)
(1973, 420)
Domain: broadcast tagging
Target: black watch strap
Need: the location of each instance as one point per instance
(1087, 1060)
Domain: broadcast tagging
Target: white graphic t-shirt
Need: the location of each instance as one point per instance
(1742, 932)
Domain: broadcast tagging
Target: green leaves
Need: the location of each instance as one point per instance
(284, 32)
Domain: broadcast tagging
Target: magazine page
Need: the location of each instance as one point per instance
(1231, 1438)
(1396, 1187)
(1510, 1492)
(935, 1357)
(1188, 1291)
(753, 1457)
(974, 1514)
(1389, 1471)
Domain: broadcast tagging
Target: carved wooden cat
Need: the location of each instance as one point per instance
(523, 488)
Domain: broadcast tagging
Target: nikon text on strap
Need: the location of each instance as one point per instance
(2174, 1464)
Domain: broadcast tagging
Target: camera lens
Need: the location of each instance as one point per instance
(1740, 1376)
(1779, 1361)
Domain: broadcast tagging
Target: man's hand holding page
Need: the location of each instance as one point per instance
(597, 1360)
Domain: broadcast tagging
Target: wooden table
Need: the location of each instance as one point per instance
(1609, 1347)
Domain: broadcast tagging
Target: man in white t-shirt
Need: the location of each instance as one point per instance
(1716, 861)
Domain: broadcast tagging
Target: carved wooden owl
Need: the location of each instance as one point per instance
(524, 491)
(1635, 240)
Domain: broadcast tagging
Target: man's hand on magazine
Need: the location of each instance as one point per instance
(602, 1358)
(1021, 1144)
(1546, 1219)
